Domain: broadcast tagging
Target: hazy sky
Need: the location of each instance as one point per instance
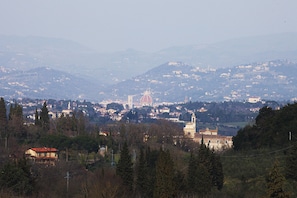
(147, 25)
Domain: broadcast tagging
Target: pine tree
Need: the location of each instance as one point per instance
(125, 168)
(275, 182)
(44, 118)
(164, 185)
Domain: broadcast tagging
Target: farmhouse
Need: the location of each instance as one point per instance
(42, 155)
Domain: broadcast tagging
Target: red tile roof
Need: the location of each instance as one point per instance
(44, 150)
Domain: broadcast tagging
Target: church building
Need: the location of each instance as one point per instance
(210, 137)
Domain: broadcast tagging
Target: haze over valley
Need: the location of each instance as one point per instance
(92, 50)
(231, 70)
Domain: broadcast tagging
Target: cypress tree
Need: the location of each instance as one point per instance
(125, 168)
(275, 182)
(37, 119)
(202, 181)
(44, 118)
(3, 117)
(3, 121)
(216, 171)
(151, 159)
(192, 173)
(15, 121)
(204, 171)
(164, 185)
(142, 175)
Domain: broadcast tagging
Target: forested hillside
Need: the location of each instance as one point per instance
(273, 128)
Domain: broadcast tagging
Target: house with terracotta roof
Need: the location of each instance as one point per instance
(42, 155)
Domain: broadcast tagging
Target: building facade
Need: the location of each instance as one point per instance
(190, 127)
(42, 155)
(210, 137)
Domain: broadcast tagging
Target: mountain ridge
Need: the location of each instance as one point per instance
(169, 82)
(176, 81)
(113, 67)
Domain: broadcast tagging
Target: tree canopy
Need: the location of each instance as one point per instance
(271, 129)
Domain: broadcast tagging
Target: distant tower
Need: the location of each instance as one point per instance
(130, 101)
(186, 99)
(69, 106)
(190, 127)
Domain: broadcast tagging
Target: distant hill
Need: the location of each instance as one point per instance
(44, 83)
(111, 68)
(177, 82)
(169, 82)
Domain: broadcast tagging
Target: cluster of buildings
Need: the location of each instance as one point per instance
(209, 137)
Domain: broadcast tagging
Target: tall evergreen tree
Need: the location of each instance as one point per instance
(44, 117)
(142, 175)
(3, 121)
(216, 171)
(37, 118)
(192, 173)
(164, 185)
(151, 159)
(202, 181)
(16, 122)
(275, 183)
(125, 168)
(204, 171)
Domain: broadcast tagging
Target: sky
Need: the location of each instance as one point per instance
(146, 25)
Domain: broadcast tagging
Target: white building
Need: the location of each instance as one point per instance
(190, 127)
(210, 137)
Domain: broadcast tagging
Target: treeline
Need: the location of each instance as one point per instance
(272, 128)
(156, 175)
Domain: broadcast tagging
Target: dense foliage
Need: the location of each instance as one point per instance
(17, 177)
(271, 129)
